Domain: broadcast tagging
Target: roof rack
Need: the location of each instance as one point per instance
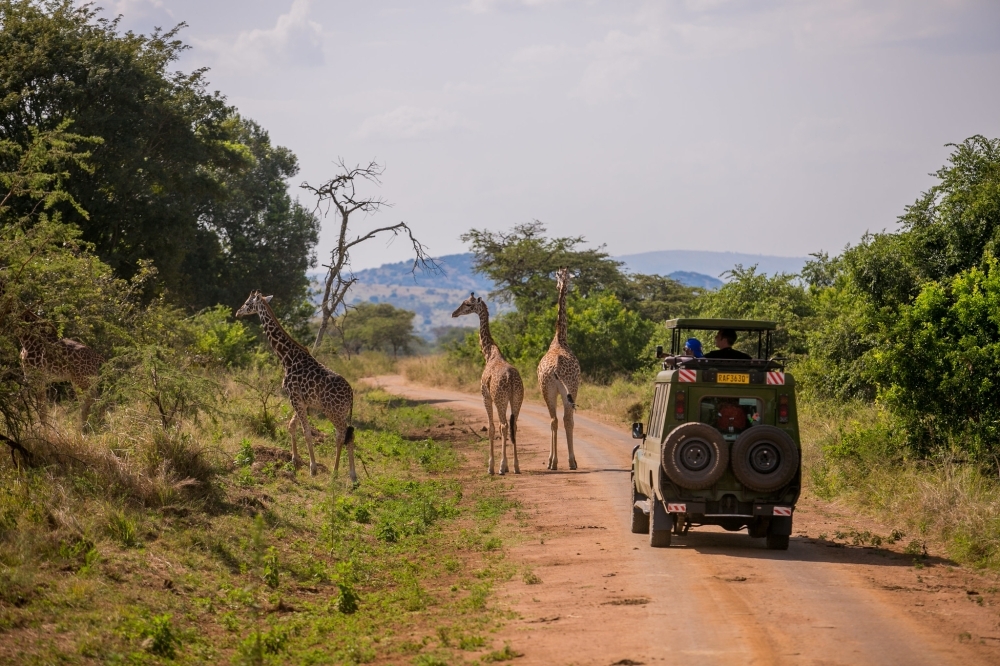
(719, 324)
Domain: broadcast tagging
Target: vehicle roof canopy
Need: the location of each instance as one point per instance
(718, 324)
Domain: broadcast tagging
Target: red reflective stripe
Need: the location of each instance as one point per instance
(776, 378)
(687, 375)
(782, 511)
(677, 508)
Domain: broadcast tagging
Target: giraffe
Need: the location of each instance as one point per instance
(308, 383)
(501, 383)
(46, 358)
(559, 374)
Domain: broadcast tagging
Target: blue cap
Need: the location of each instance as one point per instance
(694, 344)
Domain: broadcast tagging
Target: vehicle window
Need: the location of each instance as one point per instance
(731, 415)
(659, 411)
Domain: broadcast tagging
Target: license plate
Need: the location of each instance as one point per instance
(733, 378)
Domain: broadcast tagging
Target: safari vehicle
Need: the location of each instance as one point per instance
(721, 446)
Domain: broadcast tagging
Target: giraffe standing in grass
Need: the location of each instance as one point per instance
(501, 383)
(559, 375)
(46, 358)
(309, 384)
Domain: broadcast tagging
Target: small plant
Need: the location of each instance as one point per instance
(159, 638)
(362, 515)
(896, 535)
(245, 456)
(123, 529)
(347, 600)
(506, 654)
(917, 548)
(271, 572)
(229, 621)
(246, 479)
(387, 532)
(471, 642)
(531, 578)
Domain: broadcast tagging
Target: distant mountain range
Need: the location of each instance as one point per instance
(433, 296)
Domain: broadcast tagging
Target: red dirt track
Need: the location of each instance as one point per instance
(713, 597)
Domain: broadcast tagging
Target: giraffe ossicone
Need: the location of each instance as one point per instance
(559, 375)
(308, 383)
(501, 383)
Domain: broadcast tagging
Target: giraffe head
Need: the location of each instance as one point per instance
(562, 278)
(254, 305)
(471, 305)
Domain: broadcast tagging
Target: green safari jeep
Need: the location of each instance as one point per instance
(721, 446)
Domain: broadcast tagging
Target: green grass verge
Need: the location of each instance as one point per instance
(252, 564)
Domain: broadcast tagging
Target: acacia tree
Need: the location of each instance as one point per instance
(341, 193)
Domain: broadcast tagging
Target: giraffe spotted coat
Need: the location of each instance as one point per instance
(501, 383)
(559, 375)
(308, 383)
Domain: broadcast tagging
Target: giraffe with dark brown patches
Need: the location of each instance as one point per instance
(559, 375)
(308, 383)
(47, 358)
(501, 383)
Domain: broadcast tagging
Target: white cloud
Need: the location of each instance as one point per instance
(613, 62)
(295, 40)
(485, 6)
(409, 122)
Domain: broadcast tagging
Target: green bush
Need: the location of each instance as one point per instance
(221, 339)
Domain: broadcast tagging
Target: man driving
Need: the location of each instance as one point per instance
(724, 341)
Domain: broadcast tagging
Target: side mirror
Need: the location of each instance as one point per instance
(659, 351)
(637, 432)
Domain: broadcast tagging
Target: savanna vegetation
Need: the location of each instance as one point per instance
(895, 343)
(136, 210)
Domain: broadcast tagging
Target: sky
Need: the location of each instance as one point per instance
(774, 127)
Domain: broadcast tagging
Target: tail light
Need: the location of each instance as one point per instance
(679, 406)
(783, 409)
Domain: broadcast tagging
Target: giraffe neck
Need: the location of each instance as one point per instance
(561, 324)
(282, 343)
(486, 343)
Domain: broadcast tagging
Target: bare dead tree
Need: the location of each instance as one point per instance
(340, 193)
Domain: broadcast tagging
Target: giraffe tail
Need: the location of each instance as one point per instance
(513, 429)
(564, 392)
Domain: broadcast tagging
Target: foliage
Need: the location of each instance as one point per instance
(937, 367)
(221, 339)
(522, 263)
(174, 176)
(376, 327)
(658, 298)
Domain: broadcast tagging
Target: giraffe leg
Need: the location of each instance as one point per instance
(489, 414)
(549, 393)
(513, 434)
(89, 394)
(345, 435)
(568, 408)
(502, 415)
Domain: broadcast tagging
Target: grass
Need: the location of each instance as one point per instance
(199, 544)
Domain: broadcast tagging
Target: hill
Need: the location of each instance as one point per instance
(434, 295)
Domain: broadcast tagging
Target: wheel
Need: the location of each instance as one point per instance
(765, 458)
(640, 519)
(694, 456)
(659, 538)
(777, 542)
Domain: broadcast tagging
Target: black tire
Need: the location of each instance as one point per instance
(659, 538)
(640, 520)
(765, 458)
(777, 542)
(694, 456)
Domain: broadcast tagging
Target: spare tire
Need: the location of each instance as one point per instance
(694, 456)
(765, 458)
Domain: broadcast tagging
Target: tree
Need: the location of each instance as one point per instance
(377, 326)
(659, 298)
(523, 261)
(257, 237)
(340, 192)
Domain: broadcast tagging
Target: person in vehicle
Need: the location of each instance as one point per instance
(724, 340)
(692, 347)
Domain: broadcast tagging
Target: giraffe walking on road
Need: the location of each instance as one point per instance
(308, 383)
(501, 383)
(559, 375)
(47, 358)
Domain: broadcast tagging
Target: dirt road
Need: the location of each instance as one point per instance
(606, 597)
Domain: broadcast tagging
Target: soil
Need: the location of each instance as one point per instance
(594, 593)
